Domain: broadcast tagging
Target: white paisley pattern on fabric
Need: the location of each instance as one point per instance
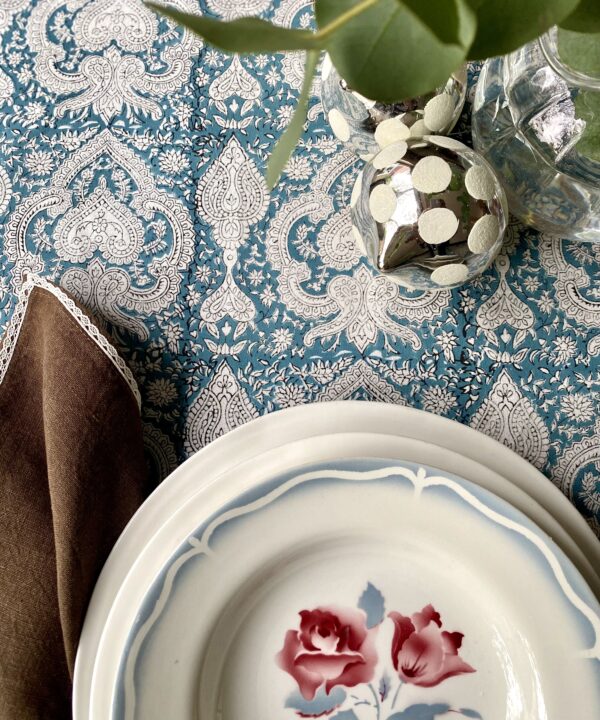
(107, 35)
(83, 220)
(131, 173)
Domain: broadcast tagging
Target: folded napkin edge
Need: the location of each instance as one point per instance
(13, 330)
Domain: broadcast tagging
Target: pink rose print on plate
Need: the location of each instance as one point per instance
(333, 649)
(333, 646)
(422, 653)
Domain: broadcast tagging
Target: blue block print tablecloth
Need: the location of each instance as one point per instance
(131, 161)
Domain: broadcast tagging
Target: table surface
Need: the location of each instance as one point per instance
(131, 161)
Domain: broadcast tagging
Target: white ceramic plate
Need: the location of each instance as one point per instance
(212, 494)
(395, 427)
(362, 589)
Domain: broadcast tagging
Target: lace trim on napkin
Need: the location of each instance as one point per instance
(9, 341)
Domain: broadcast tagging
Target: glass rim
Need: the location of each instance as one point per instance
(548, 45)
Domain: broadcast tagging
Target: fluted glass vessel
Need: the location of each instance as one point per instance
(536, 120)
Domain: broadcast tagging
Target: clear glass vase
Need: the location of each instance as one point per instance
(534, 121)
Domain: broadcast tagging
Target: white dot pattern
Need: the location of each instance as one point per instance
(382, 203)
(480, 183)
(431, 174)
(326, 67)
(437, 225)
(389, 155)
(390, 131)
(446, 142)
(418, 129)
(452, 274)
(439, 112)
(484, 234)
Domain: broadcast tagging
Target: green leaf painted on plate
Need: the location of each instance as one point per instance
(505, 26)
(287, 142)
(389, 50)
(244, 35)
(585, 19)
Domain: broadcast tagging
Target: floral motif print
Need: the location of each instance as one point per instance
(334, 649)
(424, 654)
(113, 114)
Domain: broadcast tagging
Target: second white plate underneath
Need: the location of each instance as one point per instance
(396, 432)
(317, 587)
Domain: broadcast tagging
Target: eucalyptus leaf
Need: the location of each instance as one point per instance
(388, 51)
(287, 142)
(585, 19)
(504, 26)
(244, 35)
(443, 20)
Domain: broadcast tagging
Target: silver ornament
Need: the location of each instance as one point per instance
(429, 212)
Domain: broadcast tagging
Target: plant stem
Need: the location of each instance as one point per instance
(286, 143)
(376, 697)
(345, 17)
(396, 695)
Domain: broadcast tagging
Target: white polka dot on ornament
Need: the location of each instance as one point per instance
(452, 274)
(437, 225)
(484, 234)
(439, 112)
(390, 131)
(431, 174)
(382, 203)
(390, 155)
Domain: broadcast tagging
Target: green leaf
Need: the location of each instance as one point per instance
(389, 50)
(504, 26)
(585, 19)
(287, 142)
(244, 35)
(444, 19)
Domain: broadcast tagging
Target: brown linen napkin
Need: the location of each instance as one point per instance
(72, 473)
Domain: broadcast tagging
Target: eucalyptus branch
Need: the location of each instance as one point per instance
(287, 142)
(391, 49)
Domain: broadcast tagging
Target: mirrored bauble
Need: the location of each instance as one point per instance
(429, 212)
(366, 126)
